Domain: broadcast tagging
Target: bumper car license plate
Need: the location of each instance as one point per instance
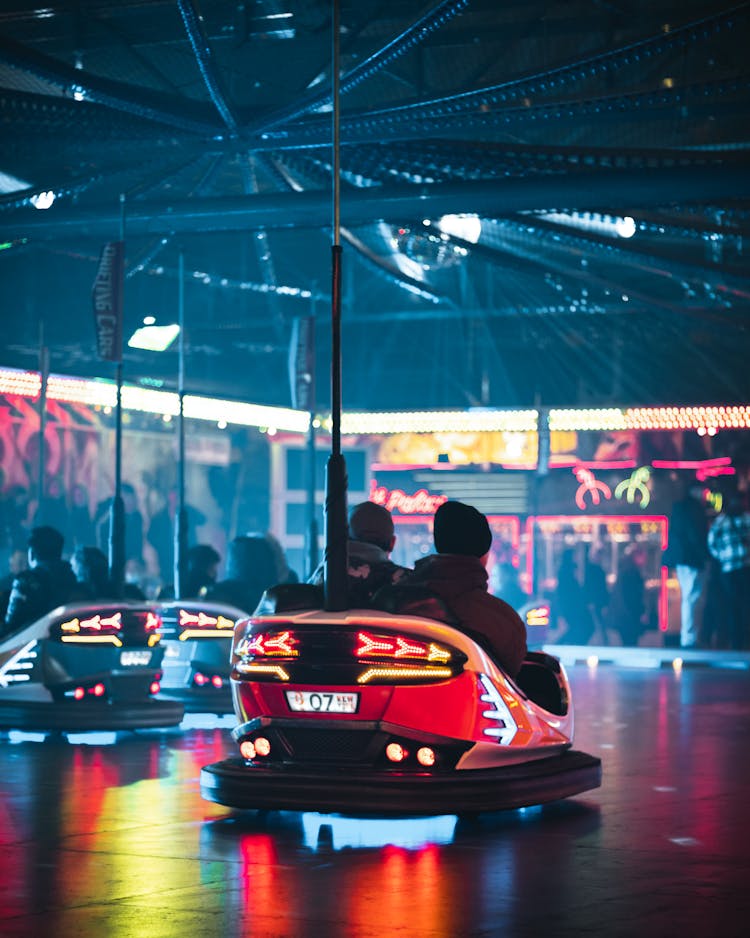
(134, 658)
(318, 701)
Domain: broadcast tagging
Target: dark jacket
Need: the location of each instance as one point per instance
(39, 589)
(368, 568)
(688, 535)
(461, 582)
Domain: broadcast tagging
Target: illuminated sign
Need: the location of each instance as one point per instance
(419, 503)
(636, 484)
(590, 486)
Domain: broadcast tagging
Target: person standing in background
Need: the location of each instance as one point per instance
(729, 543)
(687, 553)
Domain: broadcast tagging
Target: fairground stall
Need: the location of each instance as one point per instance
(565, 491)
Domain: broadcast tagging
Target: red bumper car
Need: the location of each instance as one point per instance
(366, 711)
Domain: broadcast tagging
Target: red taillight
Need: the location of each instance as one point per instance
(93, 626)
(217, 681)
(154, 687)
(99, 623)
(398, 646)
(202, 620)
(426, 756)
(272, 644)
(199, 679)
(153, 622)
(79, 693)
(98, 690)
(390, 646)
(247, 749)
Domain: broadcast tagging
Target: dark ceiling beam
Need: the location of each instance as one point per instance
(554, 80)
(494, 104)
(145, 103)
(581, 191)
(404, 42)
(204, 57)
(704, 100)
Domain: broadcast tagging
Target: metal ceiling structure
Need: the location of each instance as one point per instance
(595, 153)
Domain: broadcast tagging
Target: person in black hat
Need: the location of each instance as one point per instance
(371, 540)
(457, 574)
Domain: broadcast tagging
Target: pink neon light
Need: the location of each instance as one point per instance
(420, 502)
(530, 553)
(663, 601)
(692, 463)
(702, 474)
(596, 487)
(410, 466)
(608, 464)
(603, 519)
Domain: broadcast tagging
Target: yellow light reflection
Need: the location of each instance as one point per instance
(93, 639)
(251, 667)
(375, 673)
(202, 633)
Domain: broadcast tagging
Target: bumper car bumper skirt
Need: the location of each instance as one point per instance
(235, 784)
(73, 716)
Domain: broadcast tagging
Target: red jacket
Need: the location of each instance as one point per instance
(461, 582)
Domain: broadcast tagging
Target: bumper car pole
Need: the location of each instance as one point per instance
(335, 578)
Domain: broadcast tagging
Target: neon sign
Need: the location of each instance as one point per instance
(591, 485)
(635, 484)
(419, 503)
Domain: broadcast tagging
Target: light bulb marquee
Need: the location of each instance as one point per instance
(103, 393)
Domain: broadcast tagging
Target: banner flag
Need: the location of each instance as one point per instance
(107, 296)
(302, 363)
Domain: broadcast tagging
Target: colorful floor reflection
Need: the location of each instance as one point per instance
(107, 835)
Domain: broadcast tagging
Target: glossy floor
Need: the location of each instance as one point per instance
(110, 837)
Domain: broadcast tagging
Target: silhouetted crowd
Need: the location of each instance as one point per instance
(455, 575)
(711, 560)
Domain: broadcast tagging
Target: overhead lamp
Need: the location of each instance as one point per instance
(154, 338)
(43, 200)
(466, 227)
(625, 227)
